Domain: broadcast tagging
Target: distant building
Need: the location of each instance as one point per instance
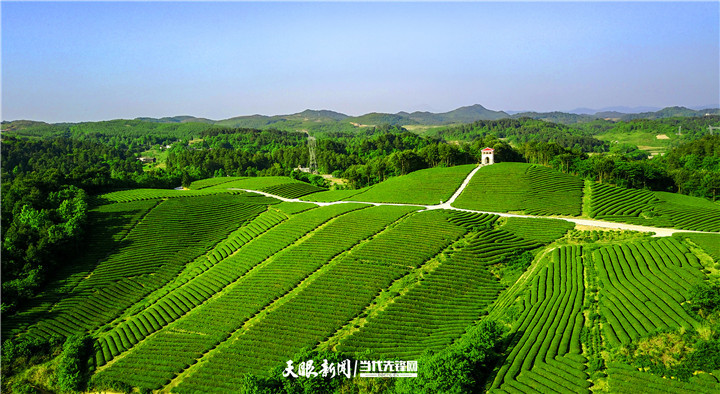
(488, 156)
(304, 169)
(146, 159)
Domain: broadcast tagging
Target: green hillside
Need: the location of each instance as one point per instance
(467, 114)
(519, 187)
(428, 186)
(671, 112)
(556, 117)
(277, 185)
(187, 290)
(375, 118)
(332, 195)
(659, 209)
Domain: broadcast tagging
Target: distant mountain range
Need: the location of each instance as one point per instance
(325, 120)
(461, 115)
(467, 114)
(623, 110)
(571, 118)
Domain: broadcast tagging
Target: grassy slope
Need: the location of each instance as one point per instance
(709, 242)
(508, 187)
(540, 230)
(253, 183)
(278, 185)
(154, 194)
(332, 195)
(643, 140)
(428, 186)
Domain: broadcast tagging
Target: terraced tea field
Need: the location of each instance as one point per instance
(429, 186)
(278, 185)
(169, 235)
(540, 230)
(658, 209)
(155, 194)
(623, 378)
(519, 187)
(187, 290)
(545, 350)
(709, 242)
(434, 312)
(643, 287)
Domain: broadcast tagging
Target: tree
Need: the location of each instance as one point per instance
(460, 368)
(712, 182)
(603, 167)
(71, 371)
(186, 180)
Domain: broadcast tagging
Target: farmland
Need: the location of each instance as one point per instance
(428, 186)
(660, 209)
(519, 187)
(546, 348)
(278, 185)
(190, 290)
(449, 298)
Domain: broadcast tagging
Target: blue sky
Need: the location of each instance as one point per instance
(92, 61)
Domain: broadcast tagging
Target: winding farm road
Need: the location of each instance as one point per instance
(659, 231)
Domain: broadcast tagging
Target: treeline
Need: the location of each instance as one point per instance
(689, 128)
(363, 160)
(122, 134)
(695, 167)
(119, 127)
(69, 375)
(523, 130)
(692, 168)
(580, 136)
(621, 168)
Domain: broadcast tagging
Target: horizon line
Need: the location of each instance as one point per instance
(507, 111)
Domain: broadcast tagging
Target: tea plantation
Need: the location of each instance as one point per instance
(659, 209)
(429, 186)
(531, 189)
(214, 289)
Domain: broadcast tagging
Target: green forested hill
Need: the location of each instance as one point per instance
(324, 121)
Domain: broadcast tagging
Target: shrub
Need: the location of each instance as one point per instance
(71, 373)
(704, 299)
(460, 368)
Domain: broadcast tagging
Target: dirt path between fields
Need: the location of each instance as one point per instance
(659, 231)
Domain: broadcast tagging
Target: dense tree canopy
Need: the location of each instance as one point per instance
(695, 167)
(519, 131)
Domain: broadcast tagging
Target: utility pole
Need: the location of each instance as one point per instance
(312, 144)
